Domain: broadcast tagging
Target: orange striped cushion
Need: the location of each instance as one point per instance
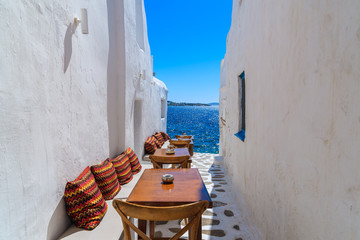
(165, 136)
(150, 145)
(122, 168)
(134, 161)
(158, 145)
(106, 179)
(84, 202)
(160, 138)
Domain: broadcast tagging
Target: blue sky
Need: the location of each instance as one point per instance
(188, 41)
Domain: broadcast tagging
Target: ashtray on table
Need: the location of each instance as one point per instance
(170, 151)
(167, 178)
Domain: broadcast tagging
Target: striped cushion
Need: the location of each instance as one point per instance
(134, 161)
(165, 136)
(150, 145)
(84, 202)
(122, 168)
(106, 179)
(160, 138)
(158, 145)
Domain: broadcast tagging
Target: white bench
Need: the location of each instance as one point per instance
(110, 228)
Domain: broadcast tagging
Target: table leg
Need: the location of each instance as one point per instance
(142, 226)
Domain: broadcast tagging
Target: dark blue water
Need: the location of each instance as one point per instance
(201, 122)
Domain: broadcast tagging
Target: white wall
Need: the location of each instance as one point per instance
(140, 84)
(298, 169)
(53, 107)
(116, 76)
(65, 99)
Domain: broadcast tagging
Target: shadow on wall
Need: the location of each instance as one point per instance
(59, 221)
(68, 44)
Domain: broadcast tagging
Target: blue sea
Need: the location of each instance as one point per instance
(200, 121)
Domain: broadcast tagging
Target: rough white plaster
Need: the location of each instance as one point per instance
(298, 167)
(66, 102)
(140, 84)
(53, 120)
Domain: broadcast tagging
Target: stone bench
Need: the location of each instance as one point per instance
(111, 227)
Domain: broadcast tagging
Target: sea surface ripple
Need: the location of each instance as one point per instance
(200, 121)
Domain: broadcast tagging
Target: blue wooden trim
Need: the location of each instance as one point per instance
(242, 75)
(241, 135)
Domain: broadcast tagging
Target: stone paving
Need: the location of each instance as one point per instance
(224, 221)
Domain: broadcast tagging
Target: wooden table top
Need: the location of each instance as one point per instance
(179, 152)
(188, 187)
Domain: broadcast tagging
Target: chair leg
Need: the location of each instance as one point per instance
(199, 231)
(152, 229)
(142, 226)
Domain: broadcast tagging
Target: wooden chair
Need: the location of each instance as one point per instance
(183, 144)
(180, 143)
(191, 211)
(182, 162)
(183, 136)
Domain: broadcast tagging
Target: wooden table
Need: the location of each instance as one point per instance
(191, 144)
(179, 152)
(188, 187)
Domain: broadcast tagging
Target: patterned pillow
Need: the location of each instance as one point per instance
(122, 168)
(160, 138)
(84, 202)
(165, 136)
(134, 161)
(106, 179)
(150, 145)
(158, 145)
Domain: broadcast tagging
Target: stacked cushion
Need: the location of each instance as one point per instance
(150, 145)
(165, 136)
(84, 202)
(122, 168)
(160, 138)
(106, 179)
(134, 161)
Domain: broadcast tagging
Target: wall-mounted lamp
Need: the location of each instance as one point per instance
(83, 21)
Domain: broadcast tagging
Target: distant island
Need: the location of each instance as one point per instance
(214, 104)
(170, 103)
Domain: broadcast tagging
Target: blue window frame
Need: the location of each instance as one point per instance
(241, 94)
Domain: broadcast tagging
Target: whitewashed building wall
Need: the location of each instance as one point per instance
(298, 168)
(67, 101)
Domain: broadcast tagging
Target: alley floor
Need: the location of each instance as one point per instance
(224, 221)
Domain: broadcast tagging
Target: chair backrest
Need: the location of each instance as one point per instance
(180, 143)
(191, 211)
(158, 161)
(183, 136)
